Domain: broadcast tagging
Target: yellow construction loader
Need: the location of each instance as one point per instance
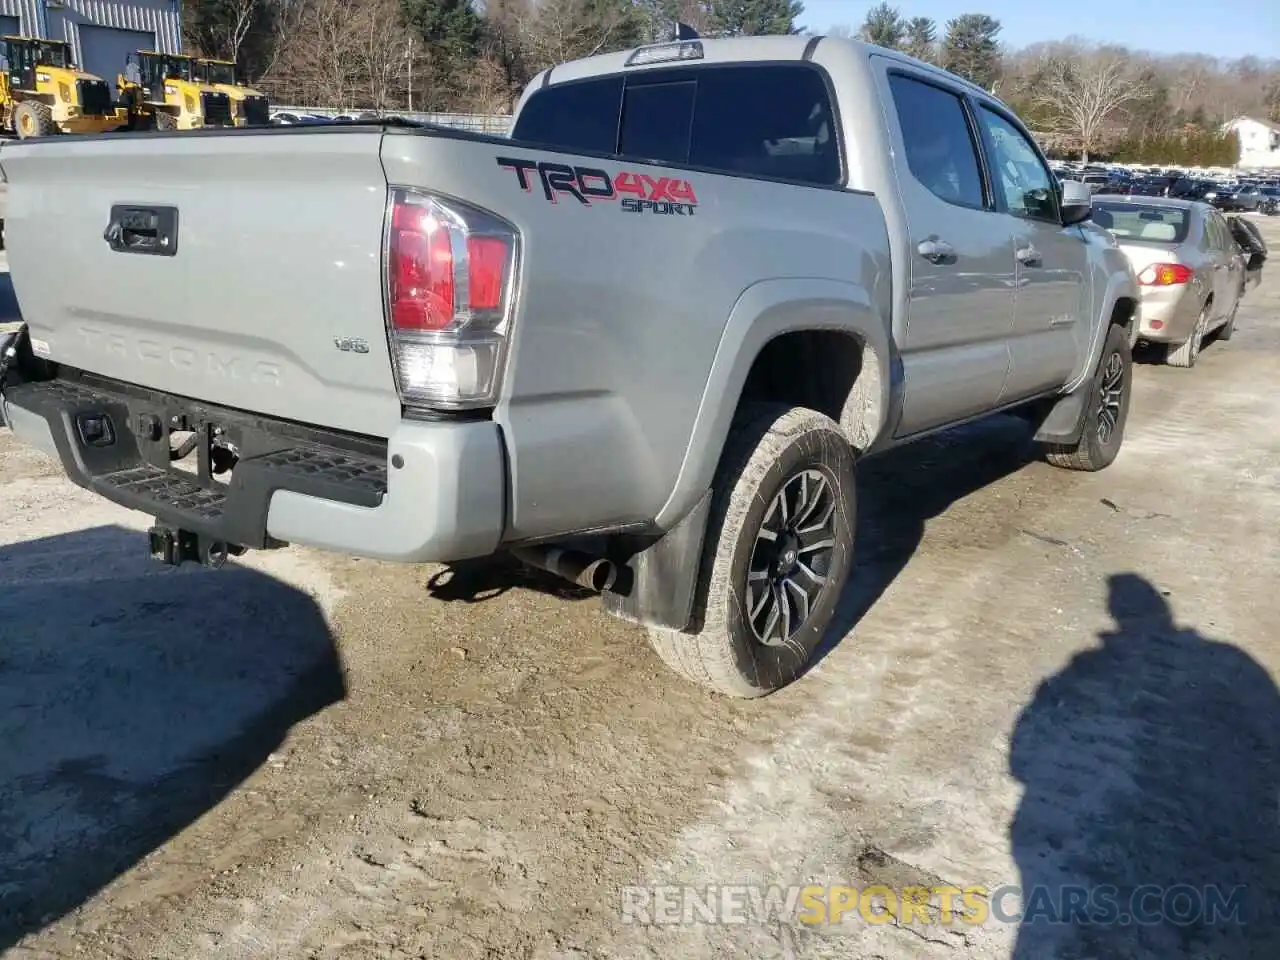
(249, 106)
(42, 92)
(162, 91)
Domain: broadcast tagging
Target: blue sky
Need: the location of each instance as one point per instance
(1168, 26)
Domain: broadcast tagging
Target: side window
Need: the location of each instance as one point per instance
(939, 146)
(769, 121)
(1214, 232)
(656, 118)
(581, 115)
(1017, 172)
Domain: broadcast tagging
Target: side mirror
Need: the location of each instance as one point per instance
(1077, 202)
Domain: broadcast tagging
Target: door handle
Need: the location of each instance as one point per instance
(1028, 256)
(935, 251)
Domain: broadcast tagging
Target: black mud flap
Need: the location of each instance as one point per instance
(663, 578)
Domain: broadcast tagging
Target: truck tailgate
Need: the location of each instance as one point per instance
(268, 295)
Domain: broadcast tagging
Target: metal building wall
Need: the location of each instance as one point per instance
(160, 17)
(28, 13)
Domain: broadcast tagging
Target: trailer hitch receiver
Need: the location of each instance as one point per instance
(173, 547)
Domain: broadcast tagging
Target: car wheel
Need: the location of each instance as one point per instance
(1106, 412)
(1185, 354)
(778, 549)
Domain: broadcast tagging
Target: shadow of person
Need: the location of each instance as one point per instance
(133, 699)
(1149, 822)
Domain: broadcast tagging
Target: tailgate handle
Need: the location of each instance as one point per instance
(150, 230)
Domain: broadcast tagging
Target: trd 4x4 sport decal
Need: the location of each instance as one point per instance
(636, 192)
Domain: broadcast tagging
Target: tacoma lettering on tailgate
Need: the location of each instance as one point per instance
(635, 192)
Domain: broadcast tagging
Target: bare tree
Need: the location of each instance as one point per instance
(1082, 91)
(563, 30)
(382, 62)
(240, 17)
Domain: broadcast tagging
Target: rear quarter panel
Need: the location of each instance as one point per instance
(621, 316)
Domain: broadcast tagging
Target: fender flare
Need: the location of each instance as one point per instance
(764, 311)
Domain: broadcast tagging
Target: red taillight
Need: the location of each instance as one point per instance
(1164, 275)
(449, 285)
(423, 277)
(487, 276)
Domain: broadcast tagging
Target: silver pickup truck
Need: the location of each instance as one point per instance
(642, 342)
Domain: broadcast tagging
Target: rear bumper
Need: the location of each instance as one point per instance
(431, 492)
(1167, 314)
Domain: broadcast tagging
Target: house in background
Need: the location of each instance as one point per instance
(101, 32)
(1259, 142)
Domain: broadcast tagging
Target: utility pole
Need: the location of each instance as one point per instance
(409, 56)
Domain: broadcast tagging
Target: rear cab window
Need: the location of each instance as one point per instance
(1144, 223)
(773, 121)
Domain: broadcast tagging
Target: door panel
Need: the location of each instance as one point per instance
(1051, 322)
(955, 351)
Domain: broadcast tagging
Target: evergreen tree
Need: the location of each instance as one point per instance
(737, 18)
(884, 27)
(449, 26)
(921, 39)
(970, 49)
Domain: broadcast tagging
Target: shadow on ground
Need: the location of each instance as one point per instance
(133, 698)
(900, 491)
(487, 578)
(1151, 768)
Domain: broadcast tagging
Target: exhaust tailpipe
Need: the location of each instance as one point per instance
(594, 573)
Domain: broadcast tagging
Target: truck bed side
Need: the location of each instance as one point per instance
(623, 307)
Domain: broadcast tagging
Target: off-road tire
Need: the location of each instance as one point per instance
(1185, 354)
(769, 447)
(165, 121)
(31, 118)
(1092, 452)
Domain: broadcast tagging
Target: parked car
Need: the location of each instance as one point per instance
(1270, 201)
(285, 118)
(638, 343)
(1239, 198)
(1190, 188)
(1190, 270)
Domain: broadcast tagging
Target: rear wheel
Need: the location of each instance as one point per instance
(33, 119)
(1185, 354)
(1106, 412)
(165, 121)
(778, 549)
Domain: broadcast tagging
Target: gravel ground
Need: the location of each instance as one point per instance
(1037, 678)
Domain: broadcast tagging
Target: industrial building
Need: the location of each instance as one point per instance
(101, 32)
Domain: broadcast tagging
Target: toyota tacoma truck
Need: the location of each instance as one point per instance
(642, 342)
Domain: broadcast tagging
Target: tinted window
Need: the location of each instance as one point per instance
(937, 141)
(1016, 171)
(573, 116)
(656, 118)
(769, 121)
(1150, 223)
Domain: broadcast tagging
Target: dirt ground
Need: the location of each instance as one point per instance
(1037, 678)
